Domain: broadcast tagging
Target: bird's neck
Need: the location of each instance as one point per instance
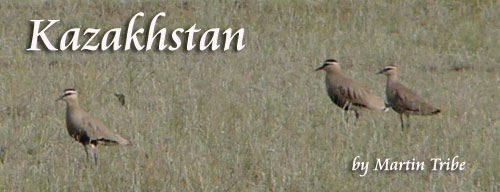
(72, 105)
(333, 71)
(391, 78)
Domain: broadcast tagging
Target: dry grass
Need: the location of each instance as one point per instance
(259, 119)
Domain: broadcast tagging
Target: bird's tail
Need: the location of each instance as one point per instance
(435, 111)
(386, 107)
(123, 141)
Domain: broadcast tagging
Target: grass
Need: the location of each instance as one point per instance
(259, 119)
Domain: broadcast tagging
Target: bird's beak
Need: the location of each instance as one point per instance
(59, 98)
(319, 68)
(380, 72)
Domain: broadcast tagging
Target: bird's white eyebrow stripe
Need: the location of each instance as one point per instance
(69, 92)
(390, 67)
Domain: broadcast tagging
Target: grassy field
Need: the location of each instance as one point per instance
(258, 119)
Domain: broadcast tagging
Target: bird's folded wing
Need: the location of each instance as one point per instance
(98, 131)
(337, 99)
(409, 100)
(359, 96)
(351, 93)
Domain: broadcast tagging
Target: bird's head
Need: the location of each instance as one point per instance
(329, 65)
(388, 70)
(69, 95)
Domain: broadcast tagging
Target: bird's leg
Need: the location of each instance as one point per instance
(358, 114)
(346, 110)
(94, 152)
(86, 151)
(407, 121)
(346, 116)
(402, 125)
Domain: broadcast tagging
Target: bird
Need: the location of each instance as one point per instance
(85, 128)
(404, 100)
(346, 92)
